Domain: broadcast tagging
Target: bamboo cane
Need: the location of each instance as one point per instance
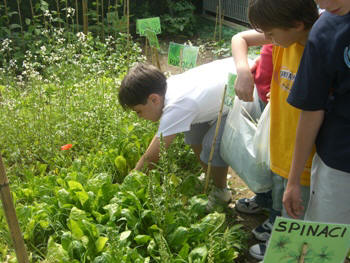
(221, 22)
(303, 253)
(58, 13)
(66, 13)
(102, 20)
(157, 58)
(97, 15)
(7, 16)
(207, 175)
(216, 21)
(31, 8)
(146, 47)
(11, 217)
(127, 20)
(219, 17)
(20, 16)
(77, 14)
(85, 18)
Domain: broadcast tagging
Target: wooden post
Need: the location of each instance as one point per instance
(11, 217)
(207, 175)
(7, 15)
(77, 14)
(216, 22)
(102, 21)
(157, 58)
(85, 18)
(97, 14)
(20, 16)
(66, 14)
(31, 8)
(127, 20)
(220, 22)
(303, 253)
(58, 13)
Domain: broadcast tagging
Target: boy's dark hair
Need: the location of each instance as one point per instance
(268, 14)
(141, 81)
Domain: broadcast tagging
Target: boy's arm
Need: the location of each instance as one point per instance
(307, 130)
(244, 85)
(152, 153)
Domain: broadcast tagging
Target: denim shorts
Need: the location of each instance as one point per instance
(203, 134)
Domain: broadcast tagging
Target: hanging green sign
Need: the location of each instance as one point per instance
(189, 57)
(182, 55)
(152, 38)
(152, 24)
(230, 92)
(294, 241)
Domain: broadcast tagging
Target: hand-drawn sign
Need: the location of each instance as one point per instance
(152, 23)
(308, 242)
(182, 55)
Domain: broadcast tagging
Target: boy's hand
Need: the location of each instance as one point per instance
(292, 201)
(244, 85)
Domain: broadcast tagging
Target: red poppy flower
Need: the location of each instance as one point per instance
(66, 147)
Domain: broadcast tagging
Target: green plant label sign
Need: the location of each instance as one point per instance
(182, 55)
(152, 24)
(152, 38)
(230, 92)
(175, 54)
(313, 242)
(189, 57)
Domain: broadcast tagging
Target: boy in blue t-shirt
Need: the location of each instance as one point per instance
(322, 90)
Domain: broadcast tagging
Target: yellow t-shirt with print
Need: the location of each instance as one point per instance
(284, 117)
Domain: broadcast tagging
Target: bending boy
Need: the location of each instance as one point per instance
(286, 24)
(188, 103)
(322, 91)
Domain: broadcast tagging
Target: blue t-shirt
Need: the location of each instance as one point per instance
(323, 83)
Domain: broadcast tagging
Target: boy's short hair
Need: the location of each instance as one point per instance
(141, 81)
(265, 15)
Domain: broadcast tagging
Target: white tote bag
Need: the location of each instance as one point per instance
(238, 147)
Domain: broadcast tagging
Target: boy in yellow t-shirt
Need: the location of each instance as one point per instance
(286, 24)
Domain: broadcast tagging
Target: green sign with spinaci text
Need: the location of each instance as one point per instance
(152, 24)
(182, 55)
(294, 241)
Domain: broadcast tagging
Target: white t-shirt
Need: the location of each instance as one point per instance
(194, 96)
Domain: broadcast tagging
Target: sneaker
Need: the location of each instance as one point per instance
(248, 205)
(218, 197)
(257, 251)
(263, 232)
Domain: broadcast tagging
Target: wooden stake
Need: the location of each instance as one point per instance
(220, 10)
(303, 253)
(146, 47)
(20, 16)
(216, 22)
(7, 16)
(66, 13)
(11, 217)
(85, 18)
(102, 21)
(77, 14)
(31, 8)
(157, 58)
(127, 20)
(207, 175)
(58, 13)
